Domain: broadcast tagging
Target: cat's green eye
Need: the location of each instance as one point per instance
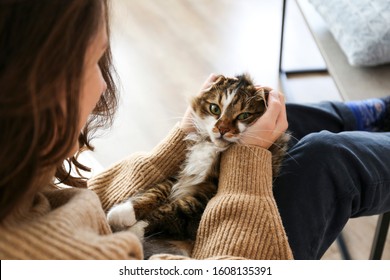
(243, 116)
(215, 109)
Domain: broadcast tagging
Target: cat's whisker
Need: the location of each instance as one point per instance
(264, 130)
(150, 236)
(285, 132)
(197, 126)
(172, 119)
(270, 142)
(168, 120)
(291, 136)
(291, 157)
(251, 150)
(266, 141)
(262, 139)
(259, 138)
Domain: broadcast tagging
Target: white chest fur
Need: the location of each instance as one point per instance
(201, 158)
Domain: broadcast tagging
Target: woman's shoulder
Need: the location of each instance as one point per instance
(62, 224)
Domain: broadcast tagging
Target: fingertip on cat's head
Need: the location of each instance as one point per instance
(212, 76)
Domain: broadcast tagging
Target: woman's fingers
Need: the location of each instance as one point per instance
(271, 125)
(209, 81)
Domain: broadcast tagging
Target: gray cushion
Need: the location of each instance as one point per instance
(361, 28)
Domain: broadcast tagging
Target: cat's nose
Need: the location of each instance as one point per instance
(223, 130)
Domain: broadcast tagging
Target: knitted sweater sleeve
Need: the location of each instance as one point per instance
(123, 179)
(242, 220)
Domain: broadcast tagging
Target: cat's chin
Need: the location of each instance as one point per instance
(222, 143)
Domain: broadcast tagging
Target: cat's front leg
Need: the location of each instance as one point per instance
(139, 229)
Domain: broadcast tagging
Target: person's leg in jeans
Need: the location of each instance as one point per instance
(330, 116)
(328, 177)
(339, 116)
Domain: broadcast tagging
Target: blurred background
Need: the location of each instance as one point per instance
(164, 50)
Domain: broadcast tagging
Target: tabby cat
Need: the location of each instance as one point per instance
(168, 213)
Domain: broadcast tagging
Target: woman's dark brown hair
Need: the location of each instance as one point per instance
(42, 49)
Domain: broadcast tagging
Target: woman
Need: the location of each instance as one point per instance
(55, 81)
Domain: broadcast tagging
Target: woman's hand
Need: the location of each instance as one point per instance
(187, 124)
(270, 126)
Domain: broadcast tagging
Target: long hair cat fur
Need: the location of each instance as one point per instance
(167, 214)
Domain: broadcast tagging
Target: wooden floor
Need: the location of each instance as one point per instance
(164, 50)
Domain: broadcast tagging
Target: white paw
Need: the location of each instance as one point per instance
(139, 229)
(121, 216)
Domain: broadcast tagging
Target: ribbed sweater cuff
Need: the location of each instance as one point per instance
(247, 166)
(242, 220)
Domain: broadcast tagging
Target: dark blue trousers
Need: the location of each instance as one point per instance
(331, 174)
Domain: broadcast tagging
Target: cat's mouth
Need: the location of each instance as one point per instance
(222, 142)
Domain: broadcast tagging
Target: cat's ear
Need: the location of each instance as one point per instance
(245, 79)
(267, 90)
(263, 93)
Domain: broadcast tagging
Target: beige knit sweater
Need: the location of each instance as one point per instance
(241, 221)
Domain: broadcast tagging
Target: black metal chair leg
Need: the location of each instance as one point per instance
(380, 236)
(343, 247)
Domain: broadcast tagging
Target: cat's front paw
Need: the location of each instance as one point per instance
(139, 229)
(121, 216)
